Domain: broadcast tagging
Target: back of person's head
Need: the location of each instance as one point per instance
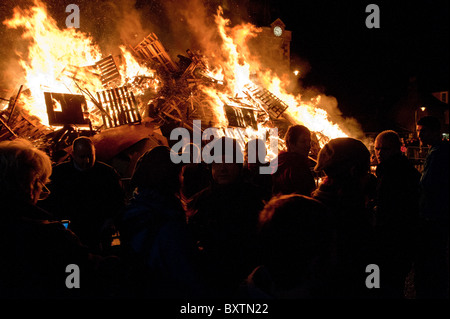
(227, 161)
(429, 130)
(83, 152)
(387, 145)
(294, 228)
(294, 133)
(343, 158)
(155, 170)
(24, 170)
(255, 151)
(430, 122)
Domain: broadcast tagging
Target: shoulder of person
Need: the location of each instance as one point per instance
(63, 166)
(105, 167)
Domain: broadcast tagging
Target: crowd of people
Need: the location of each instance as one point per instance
(222, 229)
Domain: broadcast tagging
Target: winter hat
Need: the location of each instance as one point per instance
(341, 154)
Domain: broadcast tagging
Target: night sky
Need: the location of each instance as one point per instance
(366, 70)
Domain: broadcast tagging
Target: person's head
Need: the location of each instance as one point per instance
(387, 145)
(226, 168)
(293, 228)
(83, 153)
(343, 159)
(429, 130)
(24, 171)
(255, 152)
(298, 139)
(155, 170)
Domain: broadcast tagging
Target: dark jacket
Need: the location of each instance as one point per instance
(87, 198)
(353, 242)
(156, 243)
(35, 254)
(223, 221)
(434, 183)
(397, 194)
(293, 175)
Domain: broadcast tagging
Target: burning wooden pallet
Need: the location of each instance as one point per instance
(108, 69)
(239, 115)
(152, 49)
(271, 103)
(21, 124)
(119, 107)
(16, 122)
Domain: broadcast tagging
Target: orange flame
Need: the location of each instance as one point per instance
(239, 65)
(61, 60)
(64, 61)
(56, 58)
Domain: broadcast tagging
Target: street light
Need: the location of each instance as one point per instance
(423, 109)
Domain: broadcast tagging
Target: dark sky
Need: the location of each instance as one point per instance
(368, 70)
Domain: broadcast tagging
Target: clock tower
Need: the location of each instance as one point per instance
(273, 45)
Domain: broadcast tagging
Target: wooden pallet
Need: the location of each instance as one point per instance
(120, 107)
(274, 106)
(21, 124)
(152, 49)
(108, 69)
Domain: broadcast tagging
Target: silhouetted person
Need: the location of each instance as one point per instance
(255, 153)
(35, 249)
(223, 219)
(154, 233)
(194, 176)
(345, 161)
(88, 193)
(294, 173)
(396, 214)
(295, 240)
(432, 265)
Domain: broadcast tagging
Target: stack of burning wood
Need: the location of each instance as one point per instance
(177, 102)
(15, 121)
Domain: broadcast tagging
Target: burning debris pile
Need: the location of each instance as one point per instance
(69, 91)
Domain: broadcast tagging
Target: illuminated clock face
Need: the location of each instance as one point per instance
(277, 31)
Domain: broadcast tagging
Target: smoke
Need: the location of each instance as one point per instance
(10, 44)
(350, 126)
(113, 23)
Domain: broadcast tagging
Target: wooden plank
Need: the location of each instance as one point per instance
(102, 114)
(133, 106)
(112, 106)
(118, 100)
(8, 128)
(126, 105)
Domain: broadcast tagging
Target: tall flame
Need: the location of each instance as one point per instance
(64, 61)
(61, 60)
(55, 58)
(238, 67)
